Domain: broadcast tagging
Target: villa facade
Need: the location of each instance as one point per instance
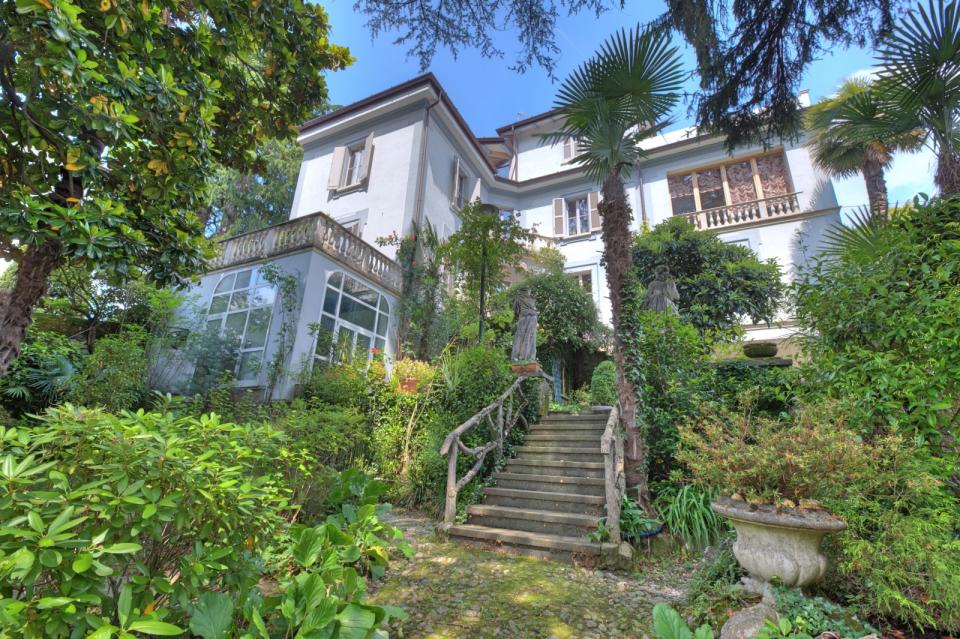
(406, 156)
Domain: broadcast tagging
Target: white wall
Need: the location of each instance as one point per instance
(534, 158)
(387, 200)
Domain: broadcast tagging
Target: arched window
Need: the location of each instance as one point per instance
(240, 310)
(354, 319)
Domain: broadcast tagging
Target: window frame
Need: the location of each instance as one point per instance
(338, 324)
(254, 283)
(751, 158)
(578, 276)
(567, 201)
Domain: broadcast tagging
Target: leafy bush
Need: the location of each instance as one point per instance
(42, 373)
(819, 615)
(345, 385)
(114, 377)
(603, 384)
(152, 523)
(407, 368)
(687, 515)
(719, 283)
(715, 591)
(769, 460)
(668, 624)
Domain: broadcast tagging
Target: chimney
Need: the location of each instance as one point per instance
(804, 97)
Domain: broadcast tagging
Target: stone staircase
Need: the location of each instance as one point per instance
(550, 497)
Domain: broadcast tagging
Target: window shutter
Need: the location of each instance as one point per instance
(568, 149)
(336, 168)
(367, 158)
(476, 190)
(593, 199)
(455, 187)
(558, 217)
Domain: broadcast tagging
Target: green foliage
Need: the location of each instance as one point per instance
(634, 522)
(819, 615)
(248, 200)
(471, 378)
(42, 374)
(566, 314)
(114, 376)
(715, 591)
(719, 283)
(767, 459)
(668, 624)
(783, 627)
(603, 384)
(687, 515)
(667, 363)
(188, 518)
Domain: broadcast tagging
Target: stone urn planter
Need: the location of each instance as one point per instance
(784, 544)
(759, 349)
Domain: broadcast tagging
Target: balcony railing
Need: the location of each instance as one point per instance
(723, 217)
(316, 231)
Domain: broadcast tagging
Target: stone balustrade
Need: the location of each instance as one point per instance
(317, 231)
(723, 217)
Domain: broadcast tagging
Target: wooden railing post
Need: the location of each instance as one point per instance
(450, 507)
(612, 448)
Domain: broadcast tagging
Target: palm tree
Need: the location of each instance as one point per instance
(920, 74)
(845, 139)
(609, 104)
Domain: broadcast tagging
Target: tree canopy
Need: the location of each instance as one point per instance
(719, 283)
(113, 116)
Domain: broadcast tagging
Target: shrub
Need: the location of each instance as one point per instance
(687, 514)
(819, 615)
(719, 283)
(42, 374)
(114, 377)
(715, 591)
(346, 385)
(603, 384)
(407, 368)
(771, 460)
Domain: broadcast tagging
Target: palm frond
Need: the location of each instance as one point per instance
(860, 238)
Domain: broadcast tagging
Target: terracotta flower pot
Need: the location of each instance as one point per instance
(525, 369)
(408, 384)
(783, 544)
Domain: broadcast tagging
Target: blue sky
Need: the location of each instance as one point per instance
(490, 95)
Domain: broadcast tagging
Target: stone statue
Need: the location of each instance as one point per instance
(525, 339)
(662, 294)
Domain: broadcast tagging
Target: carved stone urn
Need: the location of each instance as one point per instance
(784, 544)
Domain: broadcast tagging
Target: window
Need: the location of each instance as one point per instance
(354, 320)
(572, 148)
(576, 215)
(458, 192)
(584, 279)
(350, 166)
(240, 310)
(735, 182)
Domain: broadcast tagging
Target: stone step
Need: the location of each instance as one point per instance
(545, 522)
(565, 438)
(544, 500)
(596, 431)
(560, 453)
(566, 418)
(564, 468)
(531, 543)
(550, 483)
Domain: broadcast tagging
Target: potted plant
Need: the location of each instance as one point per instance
(773, 474)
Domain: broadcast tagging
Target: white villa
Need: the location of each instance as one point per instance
(406, 155)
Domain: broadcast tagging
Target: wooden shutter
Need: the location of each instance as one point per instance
(569, 149)
(593, 198)
(558, 218)
(367, 158)
(336, 168)
(455, 187)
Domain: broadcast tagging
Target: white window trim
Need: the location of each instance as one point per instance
(356, 329)
(340, 166)
(222, 316)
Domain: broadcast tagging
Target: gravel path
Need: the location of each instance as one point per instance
(454, 592)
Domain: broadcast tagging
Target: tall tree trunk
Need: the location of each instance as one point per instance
(16, 306)
(947, 177)
(615, 218)
(876, 188)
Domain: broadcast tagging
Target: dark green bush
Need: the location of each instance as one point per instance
(114, 376)
(603, 384)
(42, 374)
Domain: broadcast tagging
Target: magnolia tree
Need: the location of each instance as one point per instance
(114, 115)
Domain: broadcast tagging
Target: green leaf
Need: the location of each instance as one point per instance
(82, 563)
(50, 558)
(149, 511)
(53, 602)
(124, 603)
(668, 624)
(212, 617)
(703, 632)
(161, 628)
(123, 548)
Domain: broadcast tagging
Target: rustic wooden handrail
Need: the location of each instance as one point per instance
(508, 407)
(614, 480)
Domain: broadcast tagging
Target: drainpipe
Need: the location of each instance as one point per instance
(643, 209)
(421, 167)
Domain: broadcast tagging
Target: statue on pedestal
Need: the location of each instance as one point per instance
(525, 339)
(662, 294)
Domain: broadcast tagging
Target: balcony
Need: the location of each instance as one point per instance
(743, 213)
(316, 231)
